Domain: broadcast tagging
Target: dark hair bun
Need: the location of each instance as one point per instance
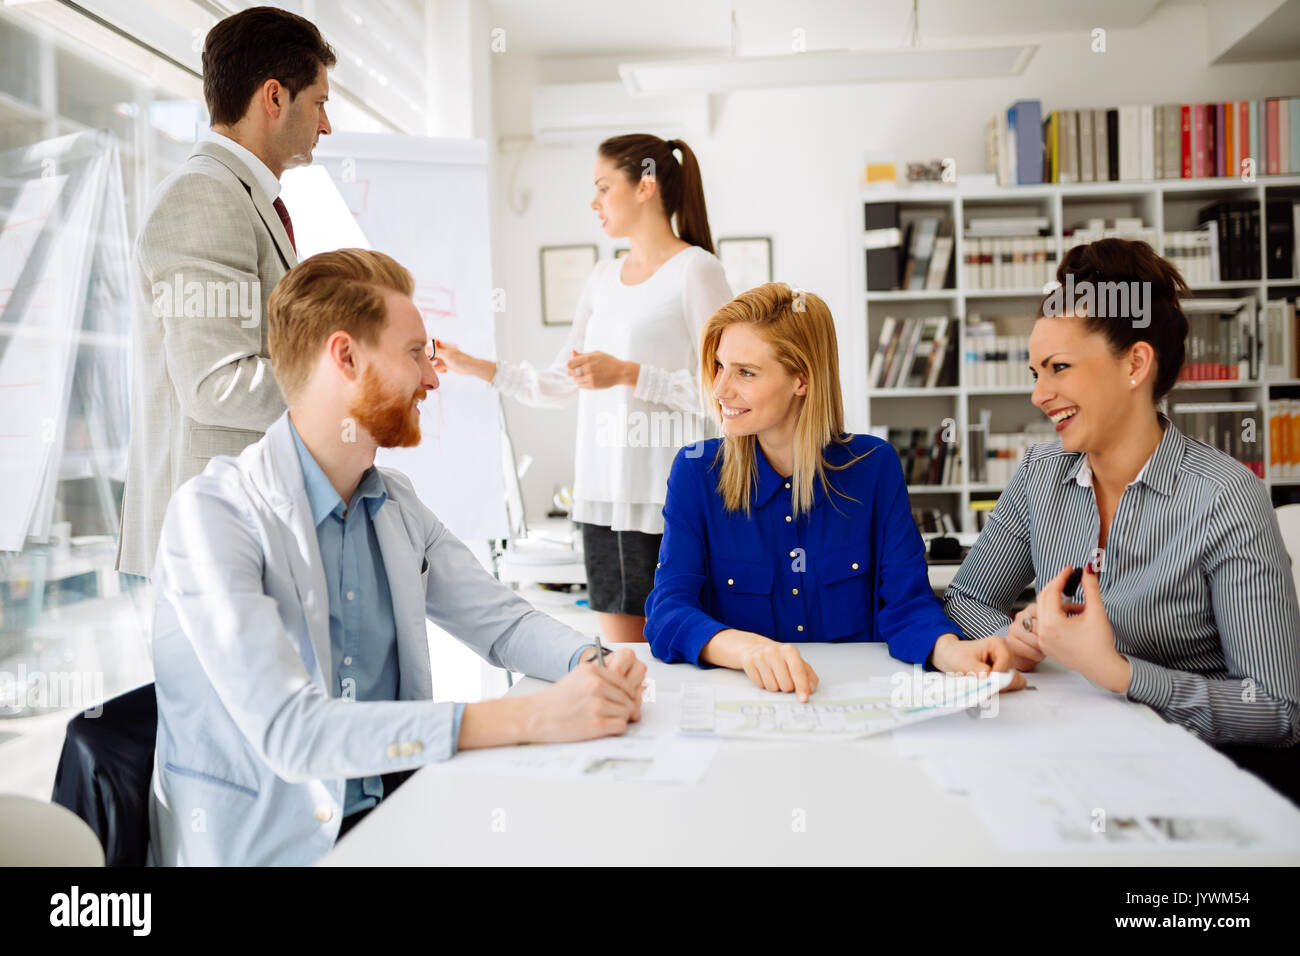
(1134, 296)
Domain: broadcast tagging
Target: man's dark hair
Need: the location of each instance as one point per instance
(245, 50)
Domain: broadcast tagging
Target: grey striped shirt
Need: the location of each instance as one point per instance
(1196, 582)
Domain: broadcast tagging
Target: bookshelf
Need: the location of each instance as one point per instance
(1164, 206)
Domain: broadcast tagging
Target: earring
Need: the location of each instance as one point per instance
(1132, 381)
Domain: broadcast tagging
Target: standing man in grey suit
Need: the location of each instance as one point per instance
(214, 243)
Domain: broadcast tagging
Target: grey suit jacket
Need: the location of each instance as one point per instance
(209, 252)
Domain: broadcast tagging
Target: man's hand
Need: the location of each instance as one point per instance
(589, 702)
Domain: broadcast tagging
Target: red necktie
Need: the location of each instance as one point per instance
(284, 218)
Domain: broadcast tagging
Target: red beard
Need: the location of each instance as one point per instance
(385, 415)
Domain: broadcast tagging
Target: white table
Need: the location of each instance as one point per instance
(862, 804)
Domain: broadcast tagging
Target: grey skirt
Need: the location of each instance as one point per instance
(620, 568)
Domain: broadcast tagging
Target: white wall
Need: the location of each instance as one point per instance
(786, 164)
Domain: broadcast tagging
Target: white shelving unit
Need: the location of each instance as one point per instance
(1163, 205)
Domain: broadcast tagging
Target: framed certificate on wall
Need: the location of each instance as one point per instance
(747, 261)
(565, 270)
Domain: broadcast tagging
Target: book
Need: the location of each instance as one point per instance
(1087, 152)
(1252, 112)
(1279, 249)
(882, 348)
(1229, 143)
(1243, 135)
(892, 357)
(1270, 132)
(1159, 143)
(1025, 129)
(1220, 132)
(1284, 166)
(1051, 152)
(1221, 425)
(1069, 144)
(1146, 142)
(883, 240)
(907, 352)
(937, 274)
(1100, 145)
(937, 330)
(1280, 336)
(1198, 141)
(1130, 149)
(1294, 110)
(1112, 144)
(918, 262)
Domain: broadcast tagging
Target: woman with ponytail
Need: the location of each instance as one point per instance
(631, 358)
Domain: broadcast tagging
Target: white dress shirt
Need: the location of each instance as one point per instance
(261, 172)
(628, 437)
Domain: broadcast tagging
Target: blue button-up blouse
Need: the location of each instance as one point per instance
(848, 570)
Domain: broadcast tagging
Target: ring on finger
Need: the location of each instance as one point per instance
(1027, 623)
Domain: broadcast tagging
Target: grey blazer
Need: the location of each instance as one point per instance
(209, 252)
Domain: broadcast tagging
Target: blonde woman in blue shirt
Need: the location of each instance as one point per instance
(788, 530)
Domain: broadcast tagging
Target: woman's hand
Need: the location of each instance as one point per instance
(1022, 640)
(1022, 636)
(776, 666)
(1083, 642)
(768, 663)
(954, 656)
(597, 370)
(448, 358)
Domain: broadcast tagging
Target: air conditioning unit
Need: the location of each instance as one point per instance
(583, 114)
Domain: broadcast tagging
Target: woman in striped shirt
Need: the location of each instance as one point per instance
(1188, 604)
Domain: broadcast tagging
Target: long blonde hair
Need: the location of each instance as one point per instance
(799, 327)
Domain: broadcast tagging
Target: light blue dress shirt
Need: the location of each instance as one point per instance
(363, 635)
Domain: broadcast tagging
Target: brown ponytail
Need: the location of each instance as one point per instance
(680, 186)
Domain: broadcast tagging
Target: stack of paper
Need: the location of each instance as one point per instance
(1066, 766)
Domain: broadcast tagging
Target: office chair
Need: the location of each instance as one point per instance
(34, 833)
(104, 773)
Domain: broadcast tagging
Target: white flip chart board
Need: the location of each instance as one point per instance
(424, 202)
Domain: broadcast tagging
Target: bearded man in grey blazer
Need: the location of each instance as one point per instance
(214, 243)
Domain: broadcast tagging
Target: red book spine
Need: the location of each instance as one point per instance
(1272, 137)
(1243, 133)
(1187, 141)
(1221, 163)
(1198, 141)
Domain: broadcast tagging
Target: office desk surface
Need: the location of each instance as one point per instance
(861, 802)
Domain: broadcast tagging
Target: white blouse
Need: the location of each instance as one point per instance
(627, 438)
